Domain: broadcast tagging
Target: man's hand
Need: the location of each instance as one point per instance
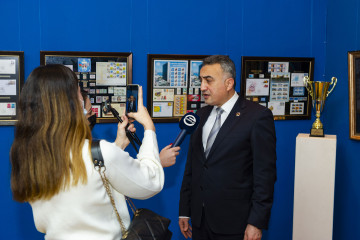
(252, 233)
(185, 227)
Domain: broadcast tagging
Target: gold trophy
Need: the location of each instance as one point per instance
(319, 92)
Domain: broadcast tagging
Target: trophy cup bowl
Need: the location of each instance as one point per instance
(318, 91)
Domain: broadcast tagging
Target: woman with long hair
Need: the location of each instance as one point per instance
(52, 167)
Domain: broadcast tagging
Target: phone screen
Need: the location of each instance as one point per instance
(132, 92)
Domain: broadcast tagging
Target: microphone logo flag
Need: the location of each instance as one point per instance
(190, 120)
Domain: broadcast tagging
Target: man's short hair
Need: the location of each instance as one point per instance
(225, 62)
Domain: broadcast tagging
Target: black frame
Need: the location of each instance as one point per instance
(88, 81)
(11, 101)
(257, 68)
(190, 92)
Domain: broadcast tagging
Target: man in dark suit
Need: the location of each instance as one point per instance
(131, 104)
(228, 183)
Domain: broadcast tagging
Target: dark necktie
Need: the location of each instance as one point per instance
(215, 129)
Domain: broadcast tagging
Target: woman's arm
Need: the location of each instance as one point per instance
(139, 178)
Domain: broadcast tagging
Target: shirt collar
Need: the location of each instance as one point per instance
(230, 103)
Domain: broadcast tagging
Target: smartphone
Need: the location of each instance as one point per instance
(132, 94)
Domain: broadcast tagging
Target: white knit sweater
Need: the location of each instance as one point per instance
(85, 211)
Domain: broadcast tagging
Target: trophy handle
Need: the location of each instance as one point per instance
(333, 82)
(306, 82)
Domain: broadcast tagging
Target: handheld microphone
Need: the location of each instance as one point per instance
(188, 125)
(131, 136)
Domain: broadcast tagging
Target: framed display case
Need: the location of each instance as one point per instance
(104, 75)
(277, 83)
(354, 94)
(11, 81)
(173, 86)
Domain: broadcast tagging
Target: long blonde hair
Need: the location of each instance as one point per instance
(46, 154)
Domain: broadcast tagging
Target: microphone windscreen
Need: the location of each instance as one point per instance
(189, 122)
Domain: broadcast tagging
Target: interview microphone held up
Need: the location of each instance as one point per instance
(188, 125)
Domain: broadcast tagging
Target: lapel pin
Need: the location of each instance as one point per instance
(238, 114)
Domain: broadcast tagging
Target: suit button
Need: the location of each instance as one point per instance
(205, 166)
(201, 188)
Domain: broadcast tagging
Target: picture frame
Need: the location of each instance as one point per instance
(354, 94)
(11, 82)
(173, 86)
(277, 83)
(104, 75)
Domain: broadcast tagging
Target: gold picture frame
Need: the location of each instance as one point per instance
(87, 75)
(354, 94)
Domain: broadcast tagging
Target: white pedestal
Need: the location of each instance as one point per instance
(314, 187)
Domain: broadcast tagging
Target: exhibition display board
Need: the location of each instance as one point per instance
(103, 75)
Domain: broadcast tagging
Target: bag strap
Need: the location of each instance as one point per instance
(98, 161)
(97, 157)
(132, 205)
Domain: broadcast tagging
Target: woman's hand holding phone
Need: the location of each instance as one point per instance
(122, 140)
(142, 115)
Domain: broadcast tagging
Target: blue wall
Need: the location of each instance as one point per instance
(234, 27)
(342, 36)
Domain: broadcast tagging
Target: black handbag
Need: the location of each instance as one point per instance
(145, 224)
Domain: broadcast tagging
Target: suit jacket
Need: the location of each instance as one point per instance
(131, 108)
(235, 183)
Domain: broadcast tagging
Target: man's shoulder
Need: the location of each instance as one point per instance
(204, 109)
(242, 102)
(254, 105)
(256, 109)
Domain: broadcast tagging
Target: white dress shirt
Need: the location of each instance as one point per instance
(227, 107)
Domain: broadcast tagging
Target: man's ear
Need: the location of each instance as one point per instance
(229, 83)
